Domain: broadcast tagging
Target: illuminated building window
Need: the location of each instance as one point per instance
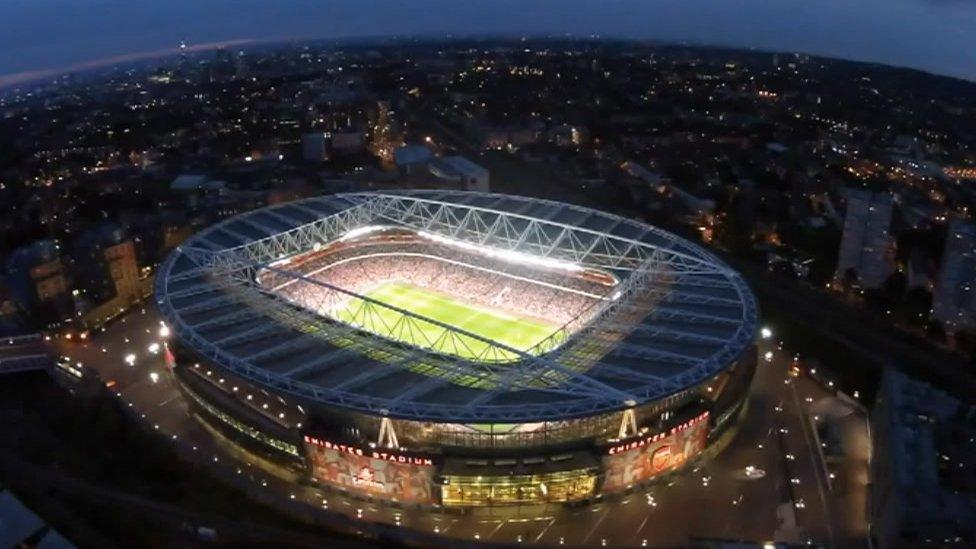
(255, 434)
(518, 489)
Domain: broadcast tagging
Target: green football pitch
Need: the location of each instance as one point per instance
(519, 333)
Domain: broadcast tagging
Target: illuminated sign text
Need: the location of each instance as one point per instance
(385, 455)
(650, 439)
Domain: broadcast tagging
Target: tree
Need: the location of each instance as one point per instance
(918, 303)
(965, 341)
(936, 331)
(850, 279)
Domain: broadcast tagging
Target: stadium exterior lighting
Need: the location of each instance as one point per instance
(766, 332)
(361, 231)
(510, 256)
(164, 331)
(280, 262)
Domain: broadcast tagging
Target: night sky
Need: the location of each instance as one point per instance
(37, 36)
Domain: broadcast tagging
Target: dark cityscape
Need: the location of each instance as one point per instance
(488, 291)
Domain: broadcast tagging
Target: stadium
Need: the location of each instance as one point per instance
(456, 348)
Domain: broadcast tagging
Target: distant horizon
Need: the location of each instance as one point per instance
(30, 79)
(35, 77)
(46, 38)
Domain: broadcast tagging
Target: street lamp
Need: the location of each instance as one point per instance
(766, 332)
(164, 331)
(130, 359)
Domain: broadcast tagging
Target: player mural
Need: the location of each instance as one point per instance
(391, 475)
(642, 458)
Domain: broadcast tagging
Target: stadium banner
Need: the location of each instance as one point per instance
(642, 458)
(389, 474)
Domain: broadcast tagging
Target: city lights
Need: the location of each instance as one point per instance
(499, 293)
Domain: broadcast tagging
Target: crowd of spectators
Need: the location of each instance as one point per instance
(556, 296)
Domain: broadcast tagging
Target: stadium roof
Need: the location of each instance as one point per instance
(682, 315)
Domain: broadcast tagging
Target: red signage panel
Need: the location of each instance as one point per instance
(642, 458)
(380, 472)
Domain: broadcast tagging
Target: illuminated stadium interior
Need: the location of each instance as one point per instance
(406, 285)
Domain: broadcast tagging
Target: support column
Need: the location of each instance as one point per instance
(628, 424)
(387, 436)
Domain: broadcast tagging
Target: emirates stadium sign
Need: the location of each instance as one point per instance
(381, 454)
(650, 439)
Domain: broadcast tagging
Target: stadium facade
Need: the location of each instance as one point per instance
(457, 348)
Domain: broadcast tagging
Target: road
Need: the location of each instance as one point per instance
(714, 498)
(23, 353)
(822, 317)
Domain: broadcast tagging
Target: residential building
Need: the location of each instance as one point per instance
(923, 467)
(315, 147)
(954, 298)
(470, 176)
(412, 158)
(866, 246)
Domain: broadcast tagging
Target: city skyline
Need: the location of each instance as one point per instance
(53, 36)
